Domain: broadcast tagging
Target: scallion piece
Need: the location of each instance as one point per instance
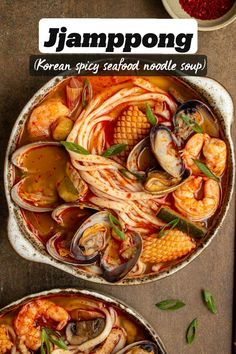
(172, 224)
(170, 304)
(191, 331)
(114, 150)
(116, 225)
(75, 147)
(207, 172)
(150, 116)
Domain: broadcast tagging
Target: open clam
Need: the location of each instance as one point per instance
(115, 272)
(68, 215)
(94, 244)
(45, 181)
(196, 112)
(161, 182)
(37, 190)
(91, 238)
(141, 347)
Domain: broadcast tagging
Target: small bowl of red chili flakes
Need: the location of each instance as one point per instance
(210, 14)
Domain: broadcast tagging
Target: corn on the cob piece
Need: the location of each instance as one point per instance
(173, 245)
(131, 127)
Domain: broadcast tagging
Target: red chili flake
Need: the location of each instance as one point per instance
(206, 9)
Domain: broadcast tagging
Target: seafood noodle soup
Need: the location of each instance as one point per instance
(120, 176)
(72, 323)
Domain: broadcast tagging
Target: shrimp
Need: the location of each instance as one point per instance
(36, 314)
(5, 340)
(197, 209)
(43, 116)
(214, 152)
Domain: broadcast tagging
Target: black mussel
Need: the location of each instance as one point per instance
(165, 150)
(141, 158)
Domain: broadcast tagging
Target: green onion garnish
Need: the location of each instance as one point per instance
(75, 147)
(116, 225)
(163, 230)
(150, 116)
(127, 174)
(191, 331)
(209, 301)
(114, 150)
(207, 172)
(192, 124)
(49, 336)
(170, 304)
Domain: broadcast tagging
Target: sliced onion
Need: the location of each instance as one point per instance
(122, 341)
(73, 93)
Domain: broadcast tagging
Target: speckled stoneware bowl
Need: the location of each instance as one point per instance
(98, 296)
(29, 247)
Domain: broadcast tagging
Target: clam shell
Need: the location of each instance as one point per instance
(52, 250)
(17, 160)
(16, 197)
(57, 213)
(114, 274)
(100, 217)
(18, 155)
(158, 191)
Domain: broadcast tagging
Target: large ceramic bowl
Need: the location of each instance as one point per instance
(133, 315)
(29, 247)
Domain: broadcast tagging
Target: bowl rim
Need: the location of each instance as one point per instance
(23, 245)
(110, 299)
(201, 27)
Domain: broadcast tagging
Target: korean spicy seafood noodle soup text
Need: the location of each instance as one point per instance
(67, 323)
(120, 176)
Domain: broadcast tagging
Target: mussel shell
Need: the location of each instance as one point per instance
(145, 345)
(165, 150)
(141, 158)
(116, 273)
(207, 119)
(76, 251)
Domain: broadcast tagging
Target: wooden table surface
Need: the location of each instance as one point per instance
(213, 269)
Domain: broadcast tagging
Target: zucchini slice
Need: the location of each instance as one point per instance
(166, 214)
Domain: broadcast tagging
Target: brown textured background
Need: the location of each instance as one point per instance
(212, 270)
